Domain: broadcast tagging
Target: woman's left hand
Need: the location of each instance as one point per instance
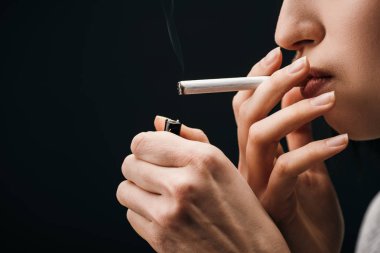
(186, 196)
(294, 187)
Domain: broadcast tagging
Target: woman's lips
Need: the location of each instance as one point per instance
(317, 83)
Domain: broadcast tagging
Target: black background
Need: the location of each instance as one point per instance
(80, 78)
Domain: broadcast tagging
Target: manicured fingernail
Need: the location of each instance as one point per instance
(337, 141)
(159, 121)
(271, 56)
(297, 66)
(324, 99)
(161, 117)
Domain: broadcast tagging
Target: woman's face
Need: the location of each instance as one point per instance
(341, 39)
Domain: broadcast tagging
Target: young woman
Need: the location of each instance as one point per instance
(184, 195)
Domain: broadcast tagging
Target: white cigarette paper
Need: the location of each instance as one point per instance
(219, 85)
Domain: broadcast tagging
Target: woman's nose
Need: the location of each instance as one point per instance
(298, 25)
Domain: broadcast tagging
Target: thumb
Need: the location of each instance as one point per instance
(186, 132)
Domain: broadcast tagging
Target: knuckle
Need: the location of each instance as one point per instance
(247, 114)
(208, 153)
(177, 213)
(282, 166)
(126, 165)
(129, 216)
(287, 99)
(137, 142)
(256, 133)
(206, 159)
(164, 219)
(183, 190)
(171, 218)
(236, 102)
(120, 193)
(243, 108)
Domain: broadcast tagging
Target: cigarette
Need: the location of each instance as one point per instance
(219, 85)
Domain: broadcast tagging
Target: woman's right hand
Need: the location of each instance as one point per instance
(185, 195)
(294, 187)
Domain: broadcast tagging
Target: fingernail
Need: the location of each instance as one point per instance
(337, 141)
(297, 66)
(271, 56)
(161, 117)
(324, 99)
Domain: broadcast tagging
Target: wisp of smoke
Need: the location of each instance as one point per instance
(168, 7)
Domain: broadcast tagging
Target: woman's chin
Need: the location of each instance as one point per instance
(355, 130)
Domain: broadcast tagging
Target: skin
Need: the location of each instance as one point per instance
(347, 33)
(294, 188)
(192, 199)
(181, 190)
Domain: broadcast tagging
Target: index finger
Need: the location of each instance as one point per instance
(267, 66)
(163, 148)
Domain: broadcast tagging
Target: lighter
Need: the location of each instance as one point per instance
(173, 126)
